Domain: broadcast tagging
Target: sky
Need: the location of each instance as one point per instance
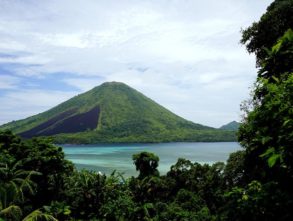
(183, 54)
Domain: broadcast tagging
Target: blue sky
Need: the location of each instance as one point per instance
(184, 54)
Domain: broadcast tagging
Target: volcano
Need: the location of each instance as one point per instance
(114, 112)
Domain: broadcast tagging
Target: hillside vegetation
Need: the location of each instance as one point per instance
(234, 125)
(114, 112)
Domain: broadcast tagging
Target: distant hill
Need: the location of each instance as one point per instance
(114, 112)
(233, 126)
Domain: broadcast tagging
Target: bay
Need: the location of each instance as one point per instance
(109, 157)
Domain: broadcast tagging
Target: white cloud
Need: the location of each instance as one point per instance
(84, 84)
(23, 103)
(8, 82)
(74, 40)
(183, 54)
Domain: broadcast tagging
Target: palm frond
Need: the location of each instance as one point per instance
(38, 215)
(12, 212)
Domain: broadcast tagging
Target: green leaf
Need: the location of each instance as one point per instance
(276, 79)
(286, 122)
(273, 159)
(264, 140)
(269, 151)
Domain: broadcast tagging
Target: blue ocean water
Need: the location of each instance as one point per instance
(108, 157)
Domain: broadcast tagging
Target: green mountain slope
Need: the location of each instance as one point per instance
(114, 112)
(234, 125)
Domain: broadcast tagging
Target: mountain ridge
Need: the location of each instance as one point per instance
(233, 126)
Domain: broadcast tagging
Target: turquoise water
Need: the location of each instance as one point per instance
(109, 157)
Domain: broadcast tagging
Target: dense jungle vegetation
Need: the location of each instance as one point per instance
(37, 183)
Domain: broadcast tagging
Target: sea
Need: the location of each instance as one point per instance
(106, 158)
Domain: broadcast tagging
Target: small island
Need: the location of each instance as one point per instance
(38, 183)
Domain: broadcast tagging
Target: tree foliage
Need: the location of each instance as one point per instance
(146, 163)
(272, 25)
(266, 132)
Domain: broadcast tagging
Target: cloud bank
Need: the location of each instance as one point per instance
(184, 54)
